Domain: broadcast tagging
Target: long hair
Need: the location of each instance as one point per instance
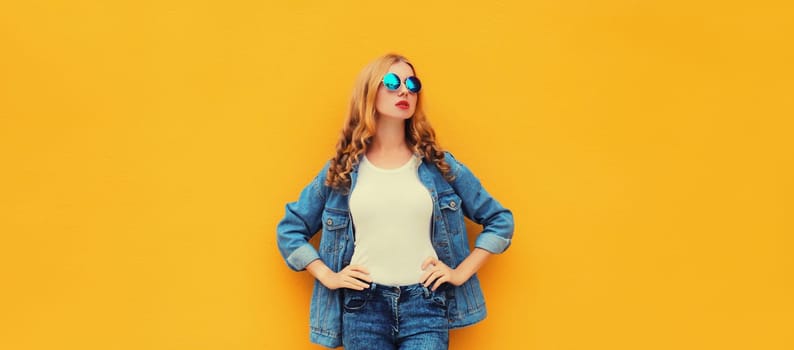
(359, 127)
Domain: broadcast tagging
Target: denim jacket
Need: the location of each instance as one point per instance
(320, 207)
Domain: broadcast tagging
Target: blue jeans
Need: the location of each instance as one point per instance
(383, 317)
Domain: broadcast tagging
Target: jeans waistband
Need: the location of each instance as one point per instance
(411, 289)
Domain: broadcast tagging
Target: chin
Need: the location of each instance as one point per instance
(403, 116)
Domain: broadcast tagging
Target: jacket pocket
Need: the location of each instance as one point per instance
(450, 205)
(335, 223)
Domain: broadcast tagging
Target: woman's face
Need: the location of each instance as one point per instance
(400, 103)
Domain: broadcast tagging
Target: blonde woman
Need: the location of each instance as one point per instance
(394, 269)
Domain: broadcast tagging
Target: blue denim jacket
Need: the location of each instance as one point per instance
(320, 207)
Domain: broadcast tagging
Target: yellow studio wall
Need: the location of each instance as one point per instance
(148, 149)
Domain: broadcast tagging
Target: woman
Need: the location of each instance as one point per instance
(393, 268)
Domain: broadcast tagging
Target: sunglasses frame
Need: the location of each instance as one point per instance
(415, 84)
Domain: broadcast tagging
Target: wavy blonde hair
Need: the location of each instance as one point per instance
(359, 127)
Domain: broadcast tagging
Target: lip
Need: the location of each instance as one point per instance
(403, 104)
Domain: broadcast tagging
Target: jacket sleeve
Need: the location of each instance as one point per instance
(479, 206)
(302, 220)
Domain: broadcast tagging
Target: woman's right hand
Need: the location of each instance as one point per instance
(351, 277)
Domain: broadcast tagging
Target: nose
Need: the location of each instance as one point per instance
(403, 91)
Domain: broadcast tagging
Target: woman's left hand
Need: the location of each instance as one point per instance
(436, 270)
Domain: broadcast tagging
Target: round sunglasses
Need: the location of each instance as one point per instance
(392, 82)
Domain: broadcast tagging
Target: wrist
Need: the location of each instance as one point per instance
(319, 270)
(323, 276)
(460, 276)
(463, 275)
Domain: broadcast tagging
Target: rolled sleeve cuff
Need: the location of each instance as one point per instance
(302, 257)
(492, 243)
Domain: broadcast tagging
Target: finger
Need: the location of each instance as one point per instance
(439, 281)
(356, 275)
(361, 276)
(356, 284)
(433, 276)
(428, 261)
(359, 268)
(350, 285)
(424, 277)
(357, 281)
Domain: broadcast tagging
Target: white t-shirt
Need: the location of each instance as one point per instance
(391, 211)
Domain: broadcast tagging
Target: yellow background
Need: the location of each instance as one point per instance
(148, 148)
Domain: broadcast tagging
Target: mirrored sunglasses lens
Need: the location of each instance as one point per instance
(413, 84)
(391, 81)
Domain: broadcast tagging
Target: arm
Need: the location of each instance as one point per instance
(480, 207)
(302, 220)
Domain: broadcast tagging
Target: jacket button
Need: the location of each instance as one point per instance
(452, 204)
(330, 222)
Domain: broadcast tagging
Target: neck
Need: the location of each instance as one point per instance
(390, 136)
